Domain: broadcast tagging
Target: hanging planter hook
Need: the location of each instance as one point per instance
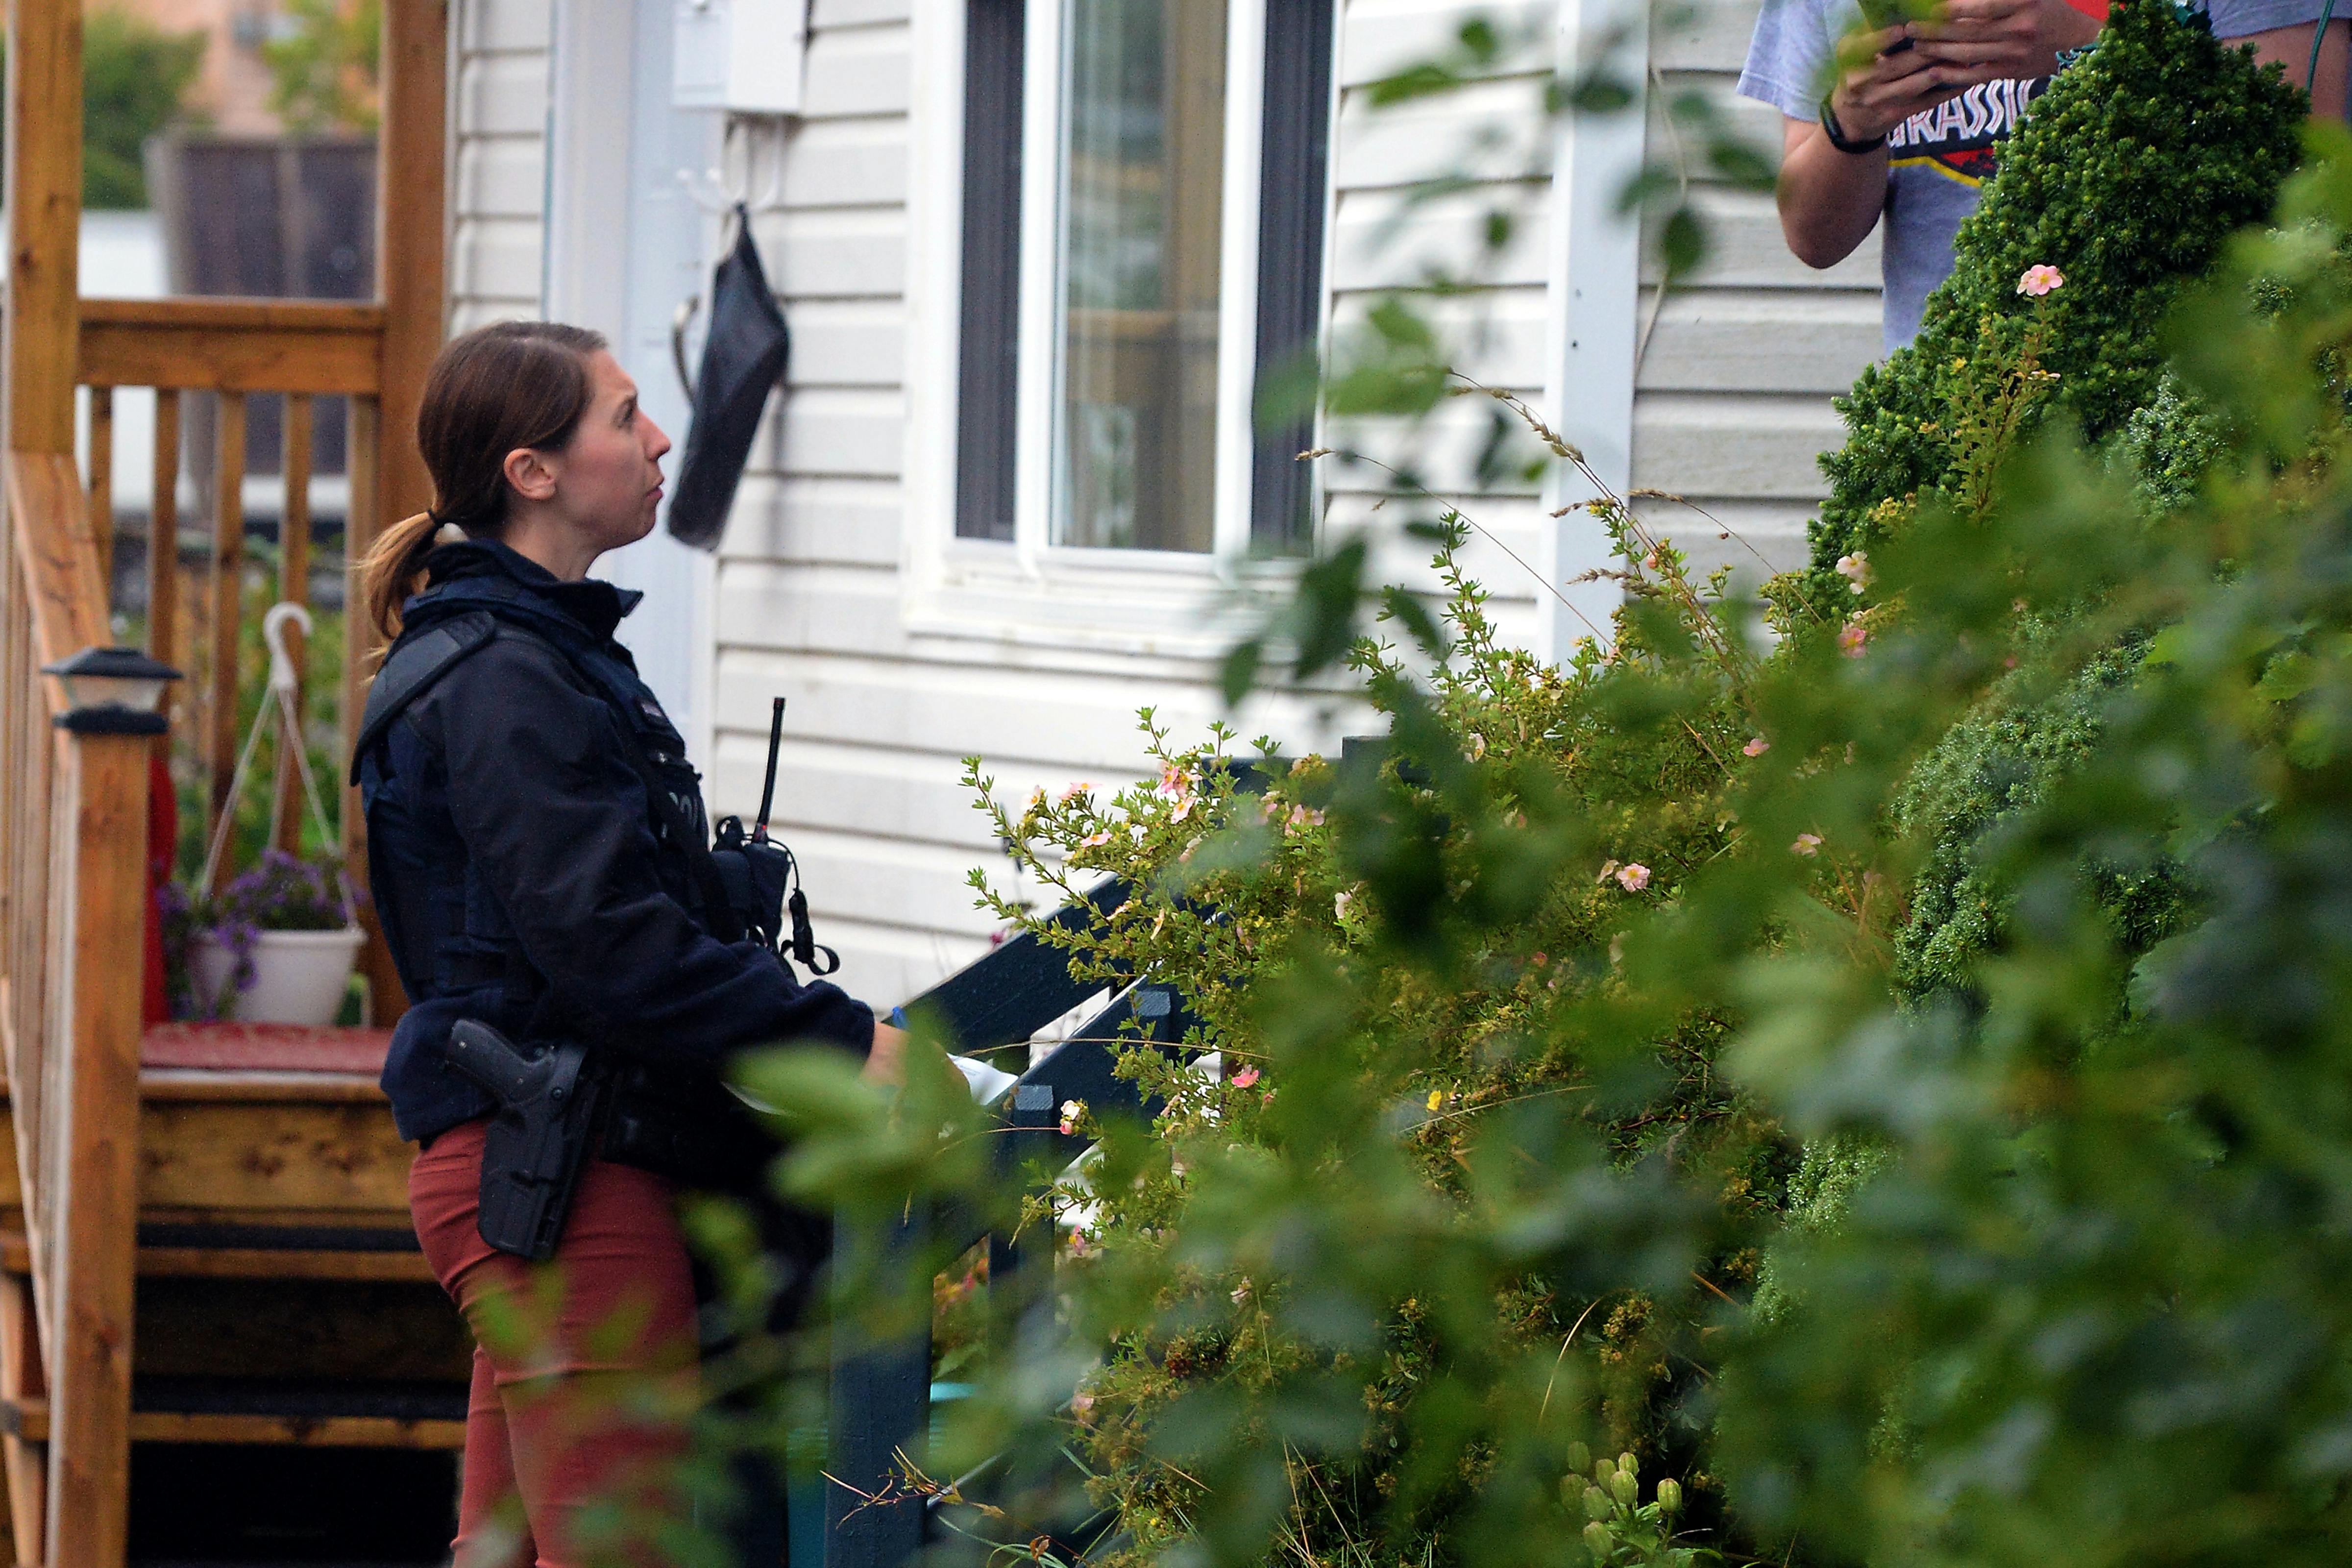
(273, 632)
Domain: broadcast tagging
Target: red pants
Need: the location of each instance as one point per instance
(583, 1366)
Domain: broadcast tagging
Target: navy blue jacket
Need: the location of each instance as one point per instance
(521, 870)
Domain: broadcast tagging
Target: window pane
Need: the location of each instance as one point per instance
(1143, 178)
(988, 373)
(1292, 185)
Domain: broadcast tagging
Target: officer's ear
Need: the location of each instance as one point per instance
(530, 474)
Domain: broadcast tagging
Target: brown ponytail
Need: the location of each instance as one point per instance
(514, 384)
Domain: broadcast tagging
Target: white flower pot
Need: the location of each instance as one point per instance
(298, 976)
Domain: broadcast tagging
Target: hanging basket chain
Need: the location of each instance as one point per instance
(277, 703)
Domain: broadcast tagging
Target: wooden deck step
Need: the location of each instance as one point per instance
(341, 1415)
(254, 1252)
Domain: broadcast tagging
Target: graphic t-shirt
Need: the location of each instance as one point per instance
(1941, 158)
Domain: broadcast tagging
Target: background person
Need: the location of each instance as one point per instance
(526, 877)
(1911, 126)
(1909, 130)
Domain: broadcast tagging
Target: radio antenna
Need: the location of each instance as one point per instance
(768, 790)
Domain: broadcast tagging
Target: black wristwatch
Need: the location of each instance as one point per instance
(1836, 133)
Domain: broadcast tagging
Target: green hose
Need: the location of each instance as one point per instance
(2318, 37)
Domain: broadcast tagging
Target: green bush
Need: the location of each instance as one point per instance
(325, 67)
(2135, 167)
(135, 79)
(1896, 1087)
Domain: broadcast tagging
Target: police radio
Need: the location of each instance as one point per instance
(761, 879)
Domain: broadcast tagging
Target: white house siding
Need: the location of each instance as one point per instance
(1383, 238)
(497, 185)
(1732, 400)
(831, 532)
(828, 582)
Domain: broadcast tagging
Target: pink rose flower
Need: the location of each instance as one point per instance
(1756, 748)
(1244, 1078)
(1852, 639)
(1806, 844)
(1633, 877)
(2040, 280)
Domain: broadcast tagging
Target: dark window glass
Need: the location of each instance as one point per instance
(1294, 165)
(987, 378)
(1138, 250)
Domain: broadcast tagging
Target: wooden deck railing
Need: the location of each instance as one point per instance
(73, 804)
(235, 349)
(73, 816)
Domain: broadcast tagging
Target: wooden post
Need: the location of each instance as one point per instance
(229, 589)
(411, 235)
(44, 186)
(294, 587)
(101, 804)
(25, 1464)
(412, 245)
(96, 815)
(360, 528)
(164, 541)
(101, 481)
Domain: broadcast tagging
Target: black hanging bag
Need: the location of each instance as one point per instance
(743, 356)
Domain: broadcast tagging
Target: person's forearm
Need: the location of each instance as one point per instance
(1829, 200)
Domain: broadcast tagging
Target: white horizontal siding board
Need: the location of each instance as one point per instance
(1720, 339)
(1378, 38)
(807, 609)
(1494, 335)
(498, 259)
(504, 176)
(834, 253)
(1732, 446)
(884, 792)
(1441, 448)
(1491, 130)
(848, 343)
(1499, 555)
(1384, 240)
(852, 520)
(1764, 537)
(824, 14)
(894, 965)
(1079, 719)
(846, 164)
(1756, 124)
(842, 431)
(496, 193)
(858, 72)
(1707, 37)
(493, 27)
(876, 883)
(1734, 405)
(1746, 248)
(504, 94)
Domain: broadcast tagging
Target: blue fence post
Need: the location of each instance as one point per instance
(881, 1406)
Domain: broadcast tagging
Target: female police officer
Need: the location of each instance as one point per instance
(530, 875)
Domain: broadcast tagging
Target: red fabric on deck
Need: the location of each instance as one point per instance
(265, 1047)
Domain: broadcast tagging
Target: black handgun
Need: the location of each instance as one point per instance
(539, 1139)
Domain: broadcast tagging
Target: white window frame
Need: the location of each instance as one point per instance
(1028, 589)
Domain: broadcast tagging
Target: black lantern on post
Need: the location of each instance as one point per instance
(112, 692)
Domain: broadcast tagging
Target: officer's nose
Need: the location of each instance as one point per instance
(657, 441)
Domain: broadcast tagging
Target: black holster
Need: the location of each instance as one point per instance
(551, 1101)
